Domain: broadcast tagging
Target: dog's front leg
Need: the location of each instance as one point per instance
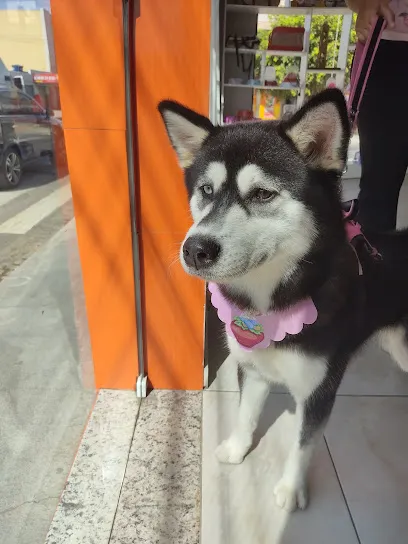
(254, 390)
(311, 417)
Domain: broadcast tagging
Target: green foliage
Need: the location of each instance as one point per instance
(314, 82)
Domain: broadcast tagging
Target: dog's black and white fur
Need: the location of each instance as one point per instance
(268, 228)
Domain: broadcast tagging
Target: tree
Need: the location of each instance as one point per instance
(314, 82)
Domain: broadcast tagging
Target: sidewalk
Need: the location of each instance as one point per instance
(46, 385)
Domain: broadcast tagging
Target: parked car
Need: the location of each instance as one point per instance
(26, 134)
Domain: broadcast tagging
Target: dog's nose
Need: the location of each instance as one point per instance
(200, 252)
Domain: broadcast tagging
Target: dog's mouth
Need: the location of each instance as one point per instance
(216, 269)
(215, 274)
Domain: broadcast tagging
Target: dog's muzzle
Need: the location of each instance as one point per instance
(200, 252)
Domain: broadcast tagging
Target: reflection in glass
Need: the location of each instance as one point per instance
(46, 384)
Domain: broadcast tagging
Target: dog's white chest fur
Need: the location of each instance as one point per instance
(300, 373)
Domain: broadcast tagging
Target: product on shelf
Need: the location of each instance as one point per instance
(331, 83)
(245, 115)
(253, 82)
(286, 38)
(288, 110)
(270, 77)
(303, 3)
(246, 42)
(291, 79)
(241, 117)
(236, 81)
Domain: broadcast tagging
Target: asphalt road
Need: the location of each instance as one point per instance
(32, 213)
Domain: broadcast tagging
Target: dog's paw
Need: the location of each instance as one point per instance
(231, 451)
(290, 497)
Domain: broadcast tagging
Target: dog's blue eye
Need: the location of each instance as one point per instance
(263, 195)
(207, 190)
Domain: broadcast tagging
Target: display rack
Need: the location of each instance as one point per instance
(242, 19)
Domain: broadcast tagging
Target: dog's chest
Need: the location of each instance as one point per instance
(299, 372)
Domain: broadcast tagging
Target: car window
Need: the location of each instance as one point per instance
(8, 102)
(13, 102)
(27, 104)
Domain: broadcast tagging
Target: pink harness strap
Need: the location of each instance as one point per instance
(353, 230)
(362, 63)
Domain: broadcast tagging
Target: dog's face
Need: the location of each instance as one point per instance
(247, 184)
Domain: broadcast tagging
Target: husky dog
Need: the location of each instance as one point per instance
(269, 232)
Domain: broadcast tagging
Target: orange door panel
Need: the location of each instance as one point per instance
(172, 61)
(88, 37)
(174, 317)
(98, 173)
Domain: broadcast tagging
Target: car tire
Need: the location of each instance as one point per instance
(11, 169)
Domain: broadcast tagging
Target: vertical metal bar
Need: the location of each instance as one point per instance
(215, 75)
(223, 7)
(215, 115)
(304, 59)
(263, 66)
(343, 49)
(128, 43)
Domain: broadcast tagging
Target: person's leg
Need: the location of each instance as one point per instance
(383, 131)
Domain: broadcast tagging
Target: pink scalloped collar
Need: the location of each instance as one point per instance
(259, 331)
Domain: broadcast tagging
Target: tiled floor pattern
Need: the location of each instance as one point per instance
(160, 500)
(46, 385)
(88, 504)
(137, 475)
(359, 478)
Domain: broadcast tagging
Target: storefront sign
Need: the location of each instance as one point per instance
(45, 78)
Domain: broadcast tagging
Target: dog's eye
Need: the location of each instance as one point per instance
(207, 190)
(263, 195)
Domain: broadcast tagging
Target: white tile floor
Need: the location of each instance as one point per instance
(359, 477)
(238, 502)
(368, 441)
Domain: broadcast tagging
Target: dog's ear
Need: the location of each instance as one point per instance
(321, 130)
(186, 129)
